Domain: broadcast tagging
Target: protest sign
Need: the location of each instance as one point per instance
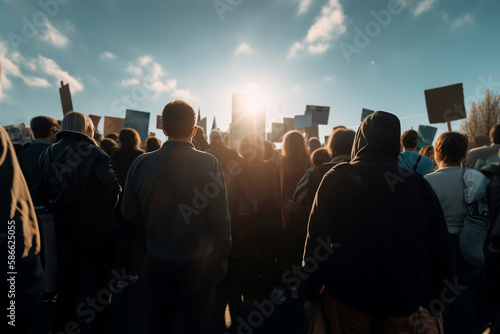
(17, 132)
(159, 122)
(445, 104)
(65, 95)
(113, 124)
(319, 114)
(303, 121)
(138, 120)
(426, 134)
(365, 113)
(95, 119)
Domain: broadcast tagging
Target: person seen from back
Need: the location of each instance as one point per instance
(377, 238)
(480, 155)
(178, 195)
(79, 187)
(449, 184)
(152, 144)
(339, 147)
(44, 130)
(410, 158)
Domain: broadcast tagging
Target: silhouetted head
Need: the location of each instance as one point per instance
(44, 128)
(179, 120)
(451, 148)
(108, 145)
(314, 144)
(427, 151)
(340, 142)
(215, 136)
(251, 148)
(409, 140)
(495, 134)
(78, 122)
(320, 156)
(152, 144)
(295, 152)
(377, 138)
(130, 139)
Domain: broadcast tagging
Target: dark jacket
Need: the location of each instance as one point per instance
(391, 250)
(77, 178)
(491, 268)
(179, 194)
(29, 160)
(308, 185)
(230, 161)
(121, 159)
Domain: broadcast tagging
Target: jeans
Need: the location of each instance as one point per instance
(180, 294)
(466, 314)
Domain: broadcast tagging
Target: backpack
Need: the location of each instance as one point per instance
(477, 220)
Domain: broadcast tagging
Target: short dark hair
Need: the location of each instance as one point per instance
(320, 156)
(108, 145)
(42, 125)
(129, 139)
(152, 144)
(178, 119)
(451, 147)
(409, 139)
(495, 134)
(340, 142)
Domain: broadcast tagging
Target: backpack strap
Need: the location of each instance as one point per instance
(406, 162)
(416, 164)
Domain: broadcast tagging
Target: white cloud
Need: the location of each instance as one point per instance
(184, 94)
(304, 6)
(318, 48)
(129, 82)
(54, 36)
(328, 78)
(10, 67)
(296, 88)
(36, 82)
(424, 6)
(51, 68)
(243, 48)
(467, 18)
(145, 60)
(372, 62)
(296, 47)
(151, 75)
(107, 55)
(328, 25)
(135, 70)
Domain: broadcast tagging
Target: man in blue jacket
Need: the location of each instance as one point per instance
(179, 195)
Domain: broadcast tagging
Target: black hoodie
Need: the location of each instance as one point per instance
(391, 250)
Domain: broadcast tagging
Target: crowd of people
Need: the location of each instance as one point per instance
(365, 232)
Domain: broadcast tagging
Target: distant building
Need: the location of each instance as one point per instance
(246, 118)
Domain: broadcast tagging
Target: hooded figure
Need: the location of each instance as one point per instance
(377, 238)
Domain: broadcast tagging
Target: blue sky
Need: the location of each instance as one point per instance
(349, 55)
